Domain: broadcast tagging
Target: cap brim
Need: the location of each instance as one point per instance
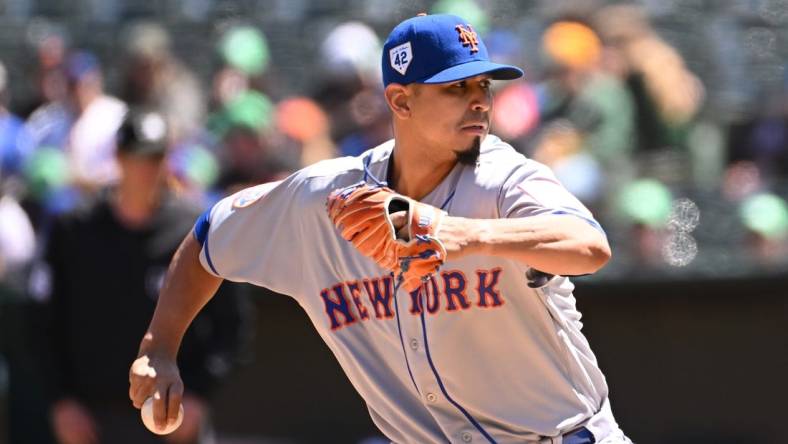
(475, 68)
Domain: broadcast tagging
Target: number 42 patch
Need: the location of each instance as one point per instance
(401, 57)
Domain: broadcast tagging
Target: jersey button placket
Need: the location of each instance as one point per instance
(432, 398)
(414, 344)
(466, 436)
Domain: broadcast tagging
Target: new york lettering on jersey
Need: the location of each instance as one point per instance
(350, 301)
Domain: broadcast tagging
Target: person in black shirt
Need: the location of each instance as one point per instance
(107, 262)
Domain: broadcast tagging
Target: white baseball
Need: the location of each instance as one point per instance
(147, 418)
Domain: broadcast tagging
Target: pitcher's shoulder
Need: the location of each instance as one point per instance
(331, 168)
(498, 161)
(325, 176)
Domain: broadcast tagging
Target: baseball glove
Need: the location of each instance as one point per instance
(362, 213)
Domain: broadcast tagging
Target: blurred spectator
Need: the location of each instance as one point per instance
(48, 183)
(245, 49)
(246, 123)
(237, 99)
(765, 215)
(49, 124)
(763, 138)
(645, 206)
(302, 120)
(370, 116)
(16, 154)
(587, 114)
(350, 88)
(350, 65)
(23, 400)
(667, 94)
(83, 125)
(194, 170)
(155, 79)
(50, 45)
(101, 303)
(246, 59)
(742, 179)
(352, 49)
(15, 140)
(249, 158)
(245, 107)
(516, 110)
(91, 144)
(17, 240)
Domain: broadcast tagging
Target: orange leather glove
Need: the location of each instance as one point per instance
(362, 215)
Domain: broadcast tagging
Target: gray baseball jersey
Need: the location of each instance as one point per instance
(475, 354)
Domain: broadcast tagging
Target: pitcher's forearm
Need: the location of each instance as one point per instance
(562, 245)
(187, 288)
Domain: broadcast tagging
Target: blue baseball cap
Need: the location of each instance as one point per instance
(80, 64)
(438, 48)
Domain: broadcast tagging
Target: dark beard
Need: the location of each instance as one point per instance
(470, 155)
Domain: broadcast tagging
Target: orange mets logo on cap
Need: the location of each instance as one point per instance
(468, 37)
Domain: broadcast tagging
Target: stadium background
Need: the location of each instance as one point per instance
(689, 318)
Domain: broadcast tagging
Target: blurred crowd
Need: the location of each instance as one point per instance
(607, 102)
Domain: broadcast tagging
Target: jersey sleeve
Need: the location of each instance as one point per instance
(532, 189)
(255, 236)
